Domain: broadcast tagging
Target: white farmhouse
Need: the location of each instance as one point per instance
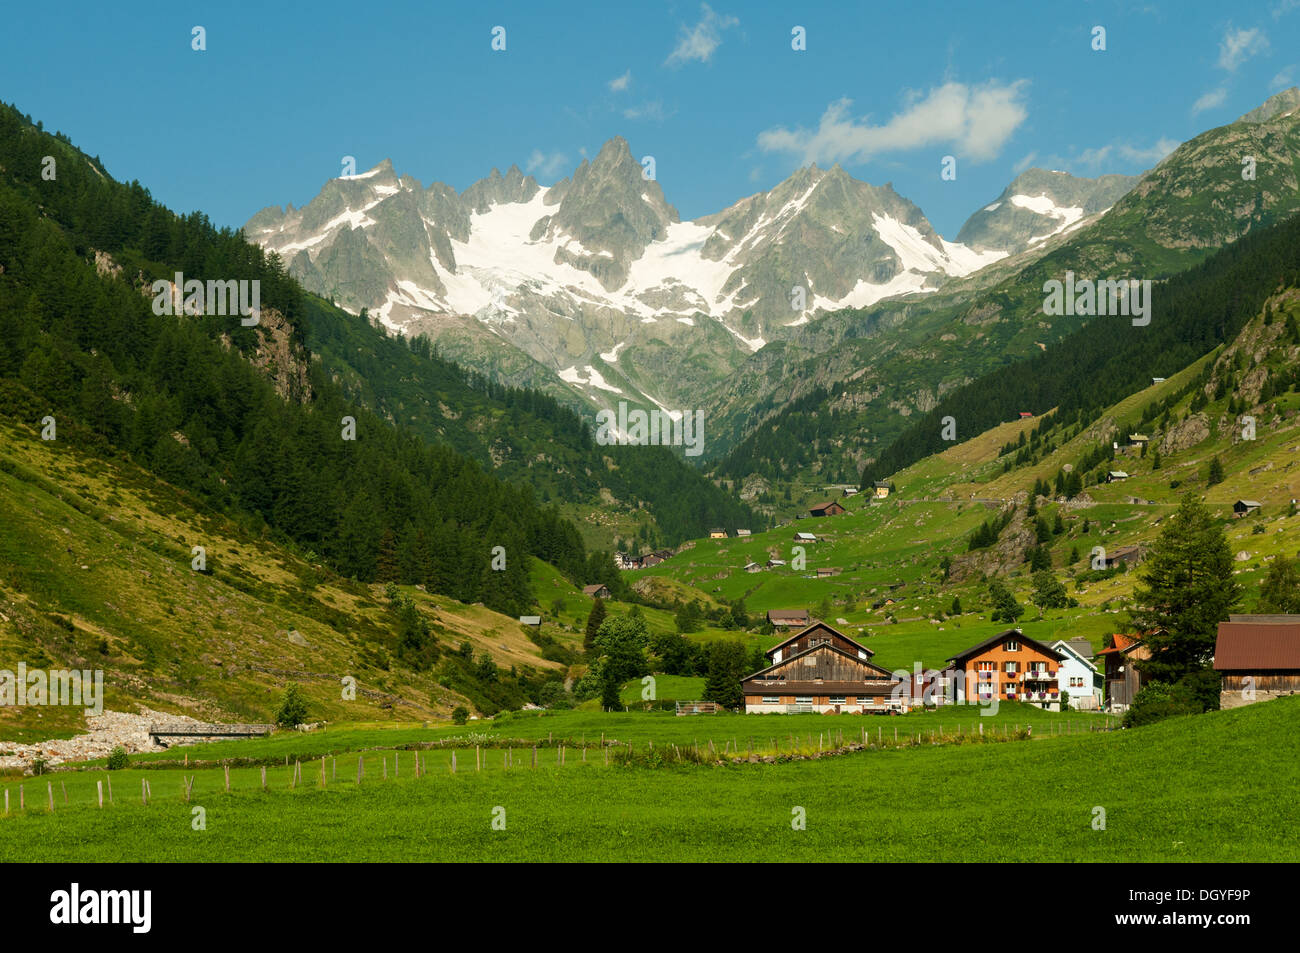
(1077, 676)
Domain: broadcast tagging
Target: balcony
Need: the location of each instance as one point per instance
(1039, 675)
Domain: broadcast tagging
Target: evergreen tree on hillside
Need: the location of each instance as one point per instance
(1048, 592)
(1185, 590)
(1005, 607)
(1280, 590)
(1215, 475)
(594, 621)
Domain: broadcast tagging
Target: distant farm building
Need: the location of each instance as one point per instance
(753, 567)
(717, 534)
(1116, 476)
(805, 537)
(1138, 439)
(819, 669)
(880, 490)
(849, 491)
(743, 532)
(598, 591)
(1009, 666)
(786, 618)
(1258, 657)
(1025, 414)
(773, 563)
(1123, 680)
(1157, 380)
(650, 559)
(829, 508)
(1244, 508)
(533, 620)
(1124, 554)
(828, 571)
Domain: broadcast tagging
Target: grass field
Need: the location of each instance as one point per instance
(1195, 788)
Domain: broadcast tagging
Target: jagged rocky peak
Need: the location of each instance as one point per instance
(1038, 204)
(497, 189)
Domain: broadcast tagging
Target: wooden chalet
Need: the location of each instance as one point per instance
(1244, 508)
(1009, 666)
(743, 532)
(1116, 476)
(829, 508)
(530, 620)
(752, 566)
(598, 591)
(717, 534)
(819, 669)
(805, 537)
(880, 490)
(1123, 680)
(1123, 554)
(1258, 657)
(788, 618)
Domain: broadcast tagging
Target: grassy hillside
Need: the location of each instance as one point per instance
(96, 572)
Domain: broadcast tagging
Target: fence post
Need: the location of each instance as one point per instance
(109, 778)
(6, 802)
(227, 767)
(99, 789)
(49, 786)
(453, 762)
(359, 757)
(263, 777)
(64, 788)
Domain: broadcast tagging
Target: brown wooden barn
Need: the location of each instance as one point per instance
(820, 669)
(1258, 657)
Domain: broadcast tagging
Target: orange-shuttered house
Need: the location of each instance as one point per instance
(823, 670)
(1009, 666)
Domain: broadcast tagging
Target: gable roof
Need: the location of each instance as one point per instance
(1247, 503)
(818, 625)
(788, 614)
(821, 647)
(1257, 646)
(593, 589)
(1122, 643)
(1002, 637)
(1078, 647)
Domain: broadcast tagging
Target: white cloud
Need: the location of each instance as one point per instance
(1024, 163)
(547, 166)
(699, 42)
(650, 110)
(1237, 46)
(1285, 77)
(975, 120)
(1211, 100)
(620, 83)
(1094, 159)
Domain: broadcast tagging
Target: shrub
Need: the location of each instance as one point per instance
(293, 707)
(1158, 701)
(117, 759)
(460, 714)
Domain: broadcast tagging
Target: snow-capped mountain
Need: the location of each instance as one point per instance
(597, 277)
(1039, 205)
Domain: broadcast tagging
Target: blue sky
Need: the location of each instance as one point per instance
(714, 92)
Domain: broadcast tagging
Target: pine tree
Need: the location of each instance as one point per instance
(1215, 475)
(593, 625)
(1185, 590)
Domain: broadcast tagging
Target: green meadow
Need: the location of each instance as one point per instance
(1215, 787)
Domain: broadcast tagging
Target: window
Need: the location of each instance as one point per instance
(1011, 668)
(836, 700)
(771, 699)
(1012, 646)
(1076, 681)
(803, 699)
(988, 666)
